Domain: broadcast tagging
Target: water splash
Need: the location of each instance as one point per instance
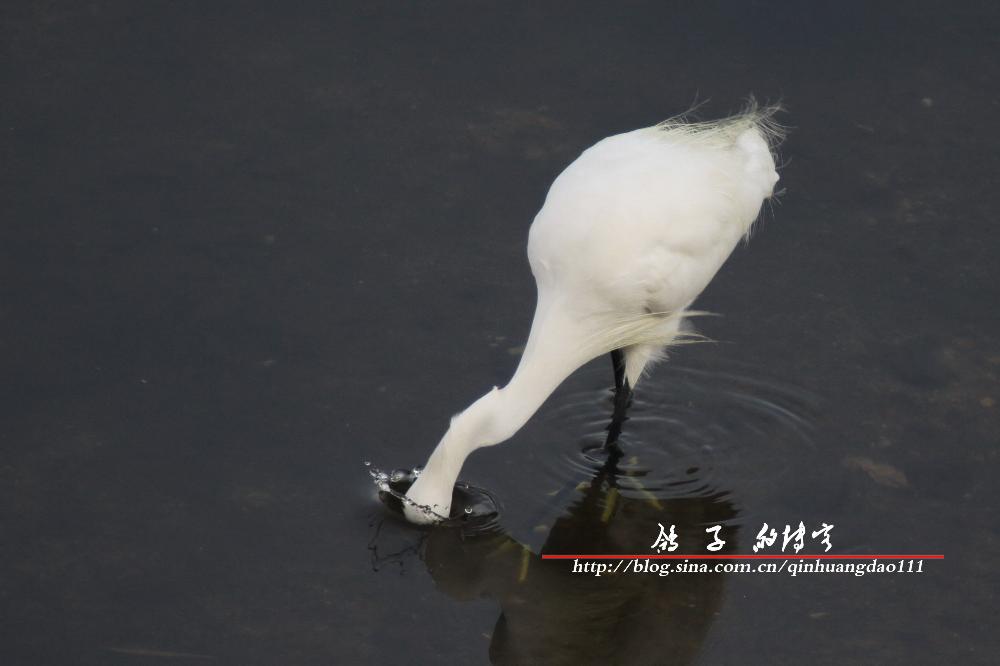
(472, 507)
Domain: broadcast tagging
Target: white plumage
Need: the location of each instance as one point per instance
(629, 235)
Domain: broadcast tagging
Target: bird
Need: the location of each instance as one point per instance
(629, 235)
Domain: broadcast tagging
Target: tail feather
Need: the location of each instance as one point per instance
(645, 338)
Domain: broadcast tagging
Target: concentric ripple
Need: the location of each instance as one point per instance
(691, 432)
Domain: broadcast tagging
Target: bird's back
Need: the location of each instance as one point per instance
(642, 221)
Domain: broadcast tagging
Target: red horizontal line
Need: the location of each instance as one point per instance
(715, 556)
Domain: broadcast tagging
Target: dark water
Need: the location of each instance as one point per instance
(246, 247)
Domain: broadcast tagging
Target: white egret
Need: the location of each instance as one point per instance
(629, 235)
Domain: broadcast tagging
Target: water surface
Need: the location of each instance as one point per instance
(248, 246)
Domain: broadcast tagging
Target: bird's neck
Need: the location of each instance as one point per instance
(553, 352)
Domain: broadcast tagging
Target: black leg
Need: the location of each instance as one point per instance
(623, 398)
(618, 365)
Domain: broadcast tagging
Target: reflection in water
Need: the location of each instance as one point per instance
(549, 614)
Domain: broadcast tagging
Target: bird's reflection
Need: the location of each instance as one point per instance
(551, 615)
